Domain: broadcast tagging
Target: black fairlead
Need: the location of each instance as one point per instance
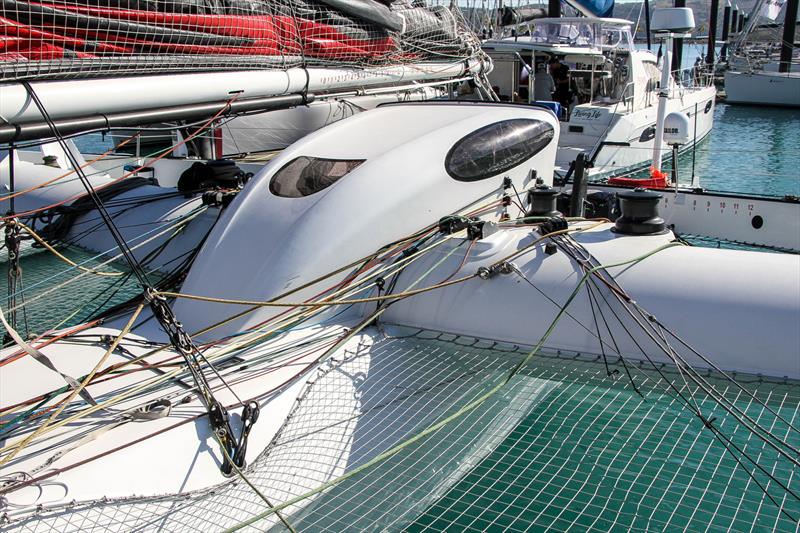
(180, 340)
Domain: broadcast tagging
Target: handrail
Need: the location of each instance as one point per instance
(628, 100)
(603, 144)
(593, 157)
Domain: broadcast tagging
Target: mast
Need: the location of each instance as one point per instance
(751, 20)
(554, 8)
(726, 24)
(711, 52)
(677, 51)
(668, 23)
(789, 24)
(647, 21)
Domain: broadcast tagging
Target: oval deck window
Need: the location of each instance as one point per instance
(303, 176)
(496, 148)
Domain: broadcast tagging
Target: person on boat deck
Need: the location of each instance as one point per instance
(560, 73)
(697, 70)
(466, 91)
(501, 97)
(543, 84)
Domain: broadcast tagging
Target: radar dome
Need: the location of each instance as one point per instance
(676, 128)
(672, 20)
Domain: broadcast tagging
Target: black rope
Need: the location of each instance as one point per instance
(593, 284)
(179, 339)
(720, 400)
(609, 373)
(118, 239)
(699, 380)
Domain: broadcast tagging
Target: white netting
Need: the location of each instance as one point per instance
(69, 38)
(562, 445)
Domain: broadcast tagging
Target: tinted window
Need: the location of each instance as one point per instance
(496, 148)
(306, 175)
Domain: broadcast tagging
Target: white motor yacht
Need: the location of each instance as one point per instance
(614, 89)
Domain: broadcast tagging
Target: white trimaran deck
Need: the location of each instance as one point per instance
(293, 231)
(313, 301)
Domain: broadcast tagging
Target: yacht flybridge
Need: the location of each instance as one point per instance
(613, 89)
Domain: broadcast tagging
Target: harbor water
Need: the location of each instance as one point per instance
(750, 150)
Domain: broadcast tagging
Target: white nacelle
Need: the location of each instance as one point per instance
(677, 128)
(740, 309)
(369, 180)
(672, 20)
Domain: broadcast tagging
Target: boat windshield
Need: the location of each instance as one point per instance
(579, 34)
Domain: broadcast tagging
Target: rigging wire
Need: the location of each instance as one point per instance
(691, 402)
(163, 313)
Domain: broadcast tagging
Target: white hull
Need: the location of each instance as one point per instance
(763, 88)
(698, 292)
(606, 126)
(275, 130)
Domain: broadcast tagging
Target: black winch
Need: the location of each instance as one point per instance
(222, 173)
(542, 201)
(639, 213)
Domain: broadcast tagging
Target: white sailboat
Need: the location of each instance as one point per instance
(756, 74)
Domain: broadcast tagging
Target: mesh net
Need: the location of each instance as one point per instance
(562, 446)
(79, 38)
(47, 308)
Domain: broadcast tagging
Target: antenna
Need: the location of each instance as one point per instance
(667, 24)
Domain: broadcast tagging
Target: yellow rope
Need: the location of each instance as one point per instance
(55, 252)
(309, 311)
(321, 303)
(222, 351)
(261, 333)
(16, 448)
(324, 303)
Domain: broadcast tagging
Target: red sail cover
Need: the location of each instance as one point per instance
(73, 37)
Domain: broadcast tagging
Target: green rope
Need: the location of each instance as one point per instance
(24, 415)
(465, 409)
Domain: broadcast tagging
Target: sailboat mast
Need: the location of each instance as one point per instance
(677, 52)
(711, 52)
(752, 18)
(726, 23)
(736, 26)
(789, 24)
(554, 8)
